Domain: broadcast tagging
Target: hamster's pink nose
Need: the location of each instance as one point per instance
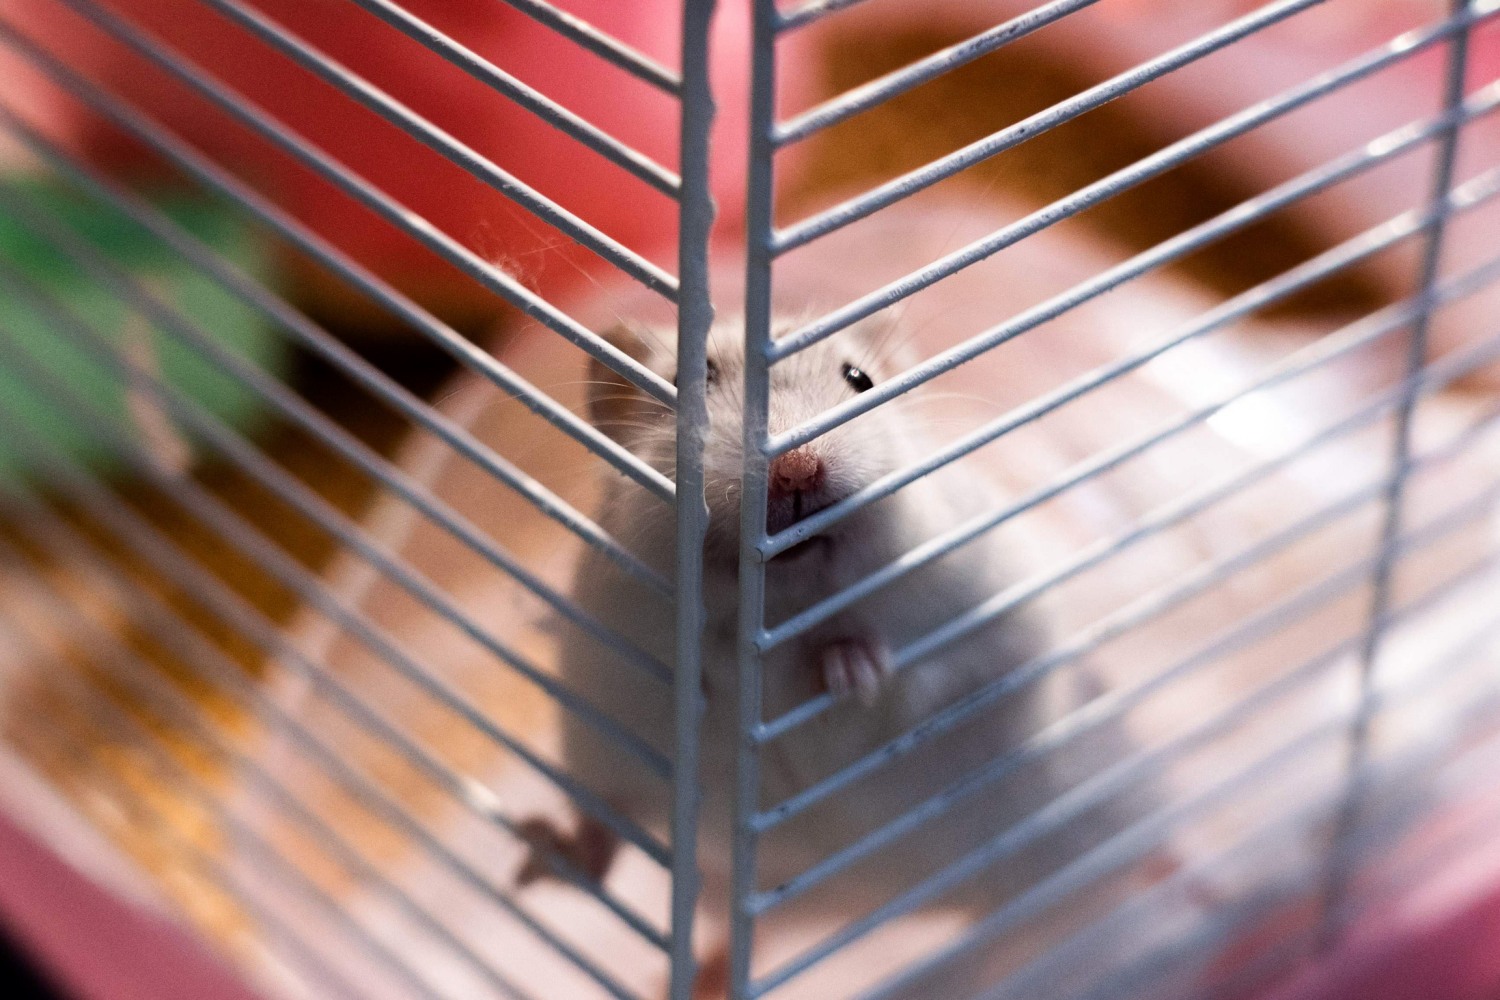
(798, 471)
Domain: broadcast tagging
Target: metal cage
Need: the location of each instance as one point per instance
(283, 596)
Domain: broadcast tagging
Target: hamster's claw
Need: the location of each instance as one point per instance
(854, 667)
(588, 853)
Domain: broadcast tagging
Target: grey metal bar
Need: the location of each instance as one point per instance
(325, 253)
(1372, 154)
(358, 89)
(1463, 198)
(1037, 901)
(290, 574)
(315, 338)
(1472, 763)
(181, 779)
(1103, 709)
(1325, 350)
(695, 319)
(1474, 769)
(869, 95)
(296, 494)
(1122, 180)
(1124, 619)
(1138, 839)
(165, 698)
(1089, 940)
(174, 631)
(755, 408)
(140, 812)
(813, 10)
(1197, 237)
(1215, 927)
(548, 110)
(377, 201)
(913, 181)
(1382, 579)
(332, 435)
(1123, 849)
(211, 594)
(607, 47)
(979, 616)
(339, 440)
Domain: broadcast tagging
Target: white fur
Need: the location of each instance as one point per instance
(855, 455)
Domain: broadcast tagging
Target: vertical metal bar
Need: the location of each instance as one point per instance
(1346, 820)
(695, 315)
(760, 236)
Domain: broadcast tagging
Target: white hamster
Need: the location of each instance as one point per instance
(847, 654)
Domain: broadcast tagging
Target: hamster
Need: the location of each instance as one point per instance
(848, 655)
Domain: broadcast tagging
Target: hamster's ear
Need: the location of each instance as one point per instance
(615, 405)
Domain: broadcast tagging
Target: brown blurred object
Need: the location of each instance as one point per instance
(1026, 77)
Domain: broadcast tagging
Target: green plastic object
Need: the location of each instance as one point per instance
(178, 364)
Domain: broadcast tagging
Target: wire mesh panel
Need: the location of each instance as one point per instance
(1160, 750)
(1042, 546)
(230, 291)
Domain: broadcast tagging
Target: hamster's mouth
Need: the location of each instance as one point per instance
(783, 512)
(817, 543)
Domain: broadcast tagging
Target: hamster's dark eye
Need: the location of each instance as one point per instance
(712, 376)
(857, 379)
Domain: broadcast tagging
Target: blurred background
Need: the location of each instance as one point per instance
(75, 184)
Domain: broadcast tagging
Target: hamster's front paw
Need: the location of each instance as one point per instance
(586, 854)
(854, 666)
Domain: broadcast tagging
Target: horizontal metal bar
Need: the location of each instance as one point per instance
(1323, 351)
(548, 110)
(251, 543)
(1122, 180)
(139, 811)
(377, 201)
(173, 630)
(1101, 710)
(1090, 939)
(883, 88)
(337, 439)
(1483, 102)
(1087, 795)
(607, 47)
(1086, 640)
(1123, 849)
(492, 278)
(1463, 198)
(1064, 882)
(358, 89)
(132, 293)
(813, 10)
(140, 537)
(910, 183)
(176, 708)
(1472, 770)
(236, 450)
(90, 696)
(1143, 609)
(1218, 927)
(307, 333)
(336, 260)
(1213, 928)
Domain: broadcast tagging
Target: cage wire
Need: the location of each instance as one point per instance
(1174, 527)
